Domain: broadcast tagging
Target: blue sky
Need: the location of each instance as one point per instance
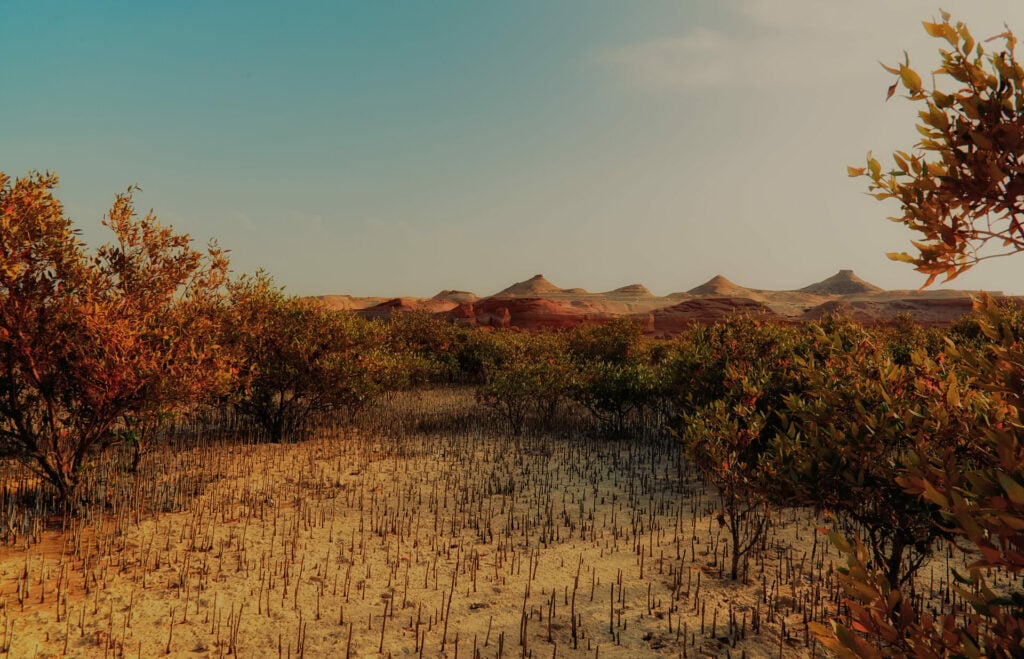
(399, 148)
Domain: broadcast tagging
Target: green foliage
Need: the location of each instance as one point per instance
(617, 342)
(977, 487)
(431, 348)
(616, 378)
(742, 360)
(609, 370)
(846, 437)
(477, 350)
(730, 378)
(297, 359)
(962, 186)
(904, 336)
(525, 376)
(616, 393)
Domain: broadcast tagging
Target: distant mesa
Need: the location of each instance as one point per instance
(335, 302)
(538, 304)
(534, 313)
(535, 286)
(636, 290)
(719, 286)
(927, 311)
(398, 305)
(844, 282)
(704, 310)
(346, 302)
(460, 297)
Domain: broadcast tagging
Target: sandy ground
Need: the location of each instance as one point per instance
(428, 543)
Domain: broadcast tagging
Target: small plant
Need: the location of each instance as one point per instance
(296, 359)
(615, 377)
(732, 377)
(526, 375)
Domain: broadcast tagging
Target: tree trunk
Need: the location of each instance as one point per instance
(734, 572)
(276, 429)
(894, 562)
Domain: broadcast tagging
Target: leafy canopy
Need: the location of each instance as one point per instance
(91, 340)
(962, 185)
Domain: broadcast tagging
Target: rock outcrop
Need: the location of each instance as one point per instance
(536, 303)
(404, 305)
(537, 313)
(926, 311)
(844, 282)
(535, 286)
(459, 297)
(633, 290)
(676, 318)
(719, 286)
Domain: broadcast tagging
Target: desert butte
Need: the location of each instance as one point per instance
(536, 303)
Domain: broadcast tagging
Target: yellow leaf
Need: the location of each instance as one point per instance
(938, 118)
(911, 80)
(953, 396)
(968, 40)
(934, 495)
(933, 29)
(1012, 488)
(840, 542)
(950, 34)
(855, 171)
(900, 256)
(818, 629)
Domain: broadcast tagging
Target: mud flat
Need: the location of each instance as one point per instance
(425, 533)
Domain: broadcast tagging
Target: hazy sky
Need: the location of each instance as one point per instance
(400, 148)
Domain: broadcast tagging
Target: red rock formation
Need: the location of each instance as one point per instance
(719, 286)
(537, 303)
(535, 286)
(707, 310)
(927, 311)
(538, 313)
(463, 315)
(455, 296)
(406, 304)
(844, 282)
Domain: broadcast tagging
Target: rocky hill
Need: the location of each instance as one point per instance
(844, 282)
(537, 303)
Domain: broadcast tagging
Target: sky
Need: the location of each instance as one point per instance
(401, 148)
